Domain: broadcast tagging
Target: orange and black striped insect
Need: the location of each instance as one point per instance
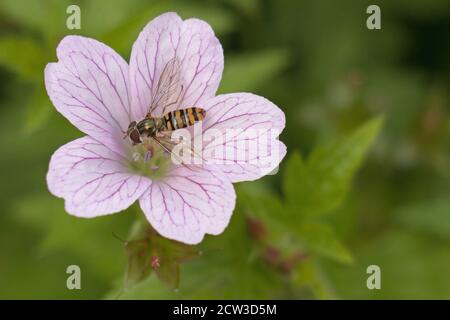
(168, 92)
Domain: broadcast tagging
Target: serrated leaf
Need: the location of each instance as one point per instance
(321, 239)
(307, 274)
(321, 184)
(138, 264)
(149, 252)
(227, 262)
(266, 217)
(259, 201)
(170, 255)
(277, 226)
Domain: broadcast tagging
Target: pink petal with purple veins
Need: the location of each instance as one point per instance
(199, 51)
(246, 113)
(89, 86)
(189, 203)
(92, 179)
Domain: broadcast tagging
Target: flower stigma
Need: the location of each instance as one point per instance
(149, 159)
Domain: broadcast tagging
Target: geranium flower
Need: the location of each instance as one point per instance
(99, 93)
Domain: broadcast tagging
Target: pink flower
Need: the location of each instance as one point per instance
(99, 93)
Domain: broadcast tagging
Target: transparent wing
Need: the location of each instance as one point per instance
(168, 89)
(187, 147)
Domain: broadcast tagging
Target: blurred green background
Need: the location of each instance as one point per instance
(352, 191)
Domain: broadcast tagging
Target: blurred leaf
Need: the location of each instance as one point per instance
(412, 267)
(249, 71)
(321, 239)
(90, 239)
(280, 229)
(293, 168)
(259, 200)
(122, 37)
(307, 274)
(323, 182)
(431, 217)
(249, 7)
(23, 56)
(116, 13)
(38, 111)
(36, 15)
(269, 221)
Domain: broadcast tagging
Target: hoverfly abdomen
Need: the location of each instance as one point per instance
(183, 118)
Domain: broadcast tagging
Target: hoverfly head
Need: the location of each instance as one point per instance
(133, 133)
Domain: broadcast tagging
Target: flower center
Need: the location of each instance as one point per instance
(149, 159)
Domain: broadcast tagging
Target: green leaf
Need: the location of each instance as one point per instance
(321, 184)
(122, 37)
(321, 239)
(307, 274)
(249, 71)
(294, 167)
(38, 110)
(147, 251)
(432, 217)
(272, 224)
(170, 255)
(138, 264)
(227, 262)
(258, 200)
(90, 239)
(46, 18)
(266, 218)
(413, 266)
(23, 56)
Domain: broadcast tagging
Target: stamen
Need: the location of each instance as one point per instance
(148, 156)
(150, 160)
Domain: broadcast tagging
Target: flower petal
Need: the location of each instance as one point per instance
(189, 203)
(89, 86)
(249, 125)
(92, 179)
(200, 54)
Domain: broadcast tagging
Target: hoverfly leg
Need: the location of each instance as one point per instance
(166, 149)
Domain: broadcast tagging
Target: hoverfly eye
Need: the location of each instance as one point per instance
(132, 125)
(135, 136)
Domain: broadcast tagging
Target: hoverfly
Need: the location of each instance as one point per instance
(167, 93)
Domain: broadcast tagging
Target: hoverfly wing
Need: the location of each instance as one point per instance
(168, 89)
(187, 146)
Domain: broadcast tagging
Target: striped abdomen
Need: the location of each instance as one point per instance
(183, 118)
